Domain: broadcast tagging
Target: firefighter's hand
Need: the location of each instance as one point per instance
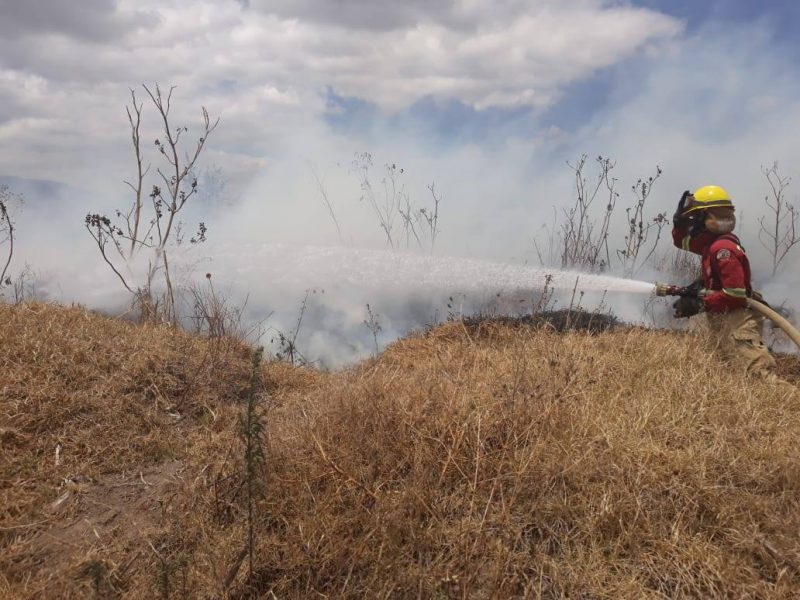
(694, 288)
(685, 307)
(678, 219)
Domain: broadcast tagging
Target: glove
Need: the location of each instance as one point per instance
(693, 289)
(686, 306)
(678, 219)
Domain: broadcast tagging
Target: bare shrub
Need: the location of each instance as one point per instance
(24, 285)
(287, 342)
(373, 323)
(422, 223)
(778, 229)
(581, 230)
(584, 240)
(214, 315)
(402, 222)
(152, 226)
(640, 229)
(385, 201)
(7, 233)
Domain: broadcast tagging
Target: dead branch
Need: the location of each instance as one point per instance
(778, 231)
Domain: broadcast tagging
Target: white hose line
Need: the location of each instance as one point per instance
(773, 316)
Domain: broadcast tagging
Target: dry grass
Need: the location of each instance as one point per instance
(481, 462)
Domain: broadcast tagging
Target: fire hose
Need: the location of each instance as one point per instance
(664, 289)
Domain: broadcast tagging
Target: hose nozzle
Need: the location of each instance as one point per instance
(689, 291)
(666, 289)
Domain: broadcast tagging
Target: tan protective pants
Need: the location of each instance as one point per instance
(736, 336)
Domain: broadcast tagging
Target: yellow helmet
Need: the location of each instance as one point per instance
(708, 196)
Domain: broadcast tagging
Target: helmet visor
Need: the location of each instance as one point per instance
(693, 205)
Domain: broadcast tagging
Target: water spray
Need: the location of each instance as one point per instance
(665, 289)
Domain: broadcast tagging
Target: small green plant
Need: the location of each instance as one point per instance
(167, 567)
(97, 571)
(252, 431)
(164, 574)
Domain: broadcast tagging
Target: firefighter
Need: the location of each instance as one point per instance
(704, 224)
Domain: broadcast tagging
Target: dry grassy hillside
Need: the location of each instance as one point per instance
(492, 460)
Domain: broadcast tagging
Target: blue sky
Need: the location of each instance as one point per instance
(783, 14)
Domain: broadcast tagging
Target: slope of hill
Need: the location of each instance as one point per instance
(485, 461)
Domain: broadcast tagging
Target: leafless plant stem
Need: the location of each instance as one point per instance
(639, 228)
(162, 229)
(324, 193)
(7, 228)
(778, 232)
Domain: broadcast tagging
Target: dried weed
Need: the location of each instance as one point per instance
(525, 463)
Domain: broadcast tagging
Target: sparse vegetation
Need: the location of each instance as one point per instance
(373, 323)
(778, 228)
(215, 316)
(640, 229)
(418, 226)
(328, 204)
(151, 229)
(287, 342)
(584, 240)
(7, 234)
(582, 233)
(23, 285)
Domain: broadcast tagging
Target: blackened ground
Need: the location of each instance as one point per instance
(558, 320)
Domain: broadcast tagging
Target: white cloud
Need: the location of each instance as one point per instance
(68, 65)
(94, 20)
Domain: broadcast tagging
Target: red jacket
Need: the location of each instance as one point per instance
(726, 270)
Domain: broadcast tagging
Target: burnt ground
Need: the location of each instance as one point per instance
(557, 320)
(788, 365)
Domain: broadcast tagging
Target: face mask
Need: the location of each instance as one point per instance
(720, 225)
